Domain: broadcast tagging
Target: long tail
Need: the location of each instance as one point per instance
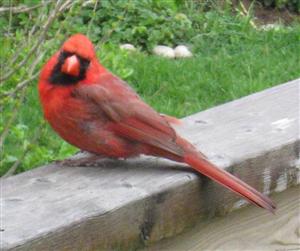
(203, 166)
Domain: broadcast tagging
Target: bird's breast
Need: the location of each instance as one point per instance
(74, 120)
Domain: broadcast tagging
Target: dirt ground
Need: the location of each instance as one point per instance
(270, 15)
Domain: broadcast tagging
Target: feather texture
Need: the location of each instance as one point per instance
(100, 113)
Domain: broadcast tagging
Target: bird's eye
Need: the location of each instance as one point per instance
(65, 54)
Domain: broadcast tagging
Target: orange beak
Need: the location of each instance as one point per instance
(71, 66)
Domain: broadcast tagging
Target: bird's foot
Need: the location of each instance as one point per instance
(82, 159)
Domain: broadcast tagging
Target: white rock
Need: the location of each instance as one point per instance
(267, 27)
(164, 51)
(181, 51)
(128, 47)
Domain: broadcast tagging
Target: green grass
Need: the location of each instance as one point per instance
(216, 74)
(227, 65)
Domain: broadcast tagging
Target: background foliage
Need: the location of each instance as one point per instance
(293, 5)
(232, 57)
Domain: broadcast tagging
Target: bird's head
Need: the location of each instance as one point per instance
(74, 59)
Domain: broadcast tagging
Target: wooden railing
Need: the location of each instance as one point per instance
(124, 205)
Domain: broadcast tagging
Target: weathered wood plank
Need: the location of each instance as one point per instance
(127, 204)
(246, 229)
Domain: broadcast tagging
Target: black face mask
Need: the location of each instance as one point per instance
(58, 77)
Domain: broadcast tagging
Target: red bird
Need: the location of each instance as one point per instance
(94, 110)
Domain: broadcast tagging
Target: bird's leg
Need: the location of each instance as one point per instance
(82, 159)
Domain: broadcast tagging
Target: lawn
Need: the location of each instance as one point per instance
(229, 62)
(216, 74)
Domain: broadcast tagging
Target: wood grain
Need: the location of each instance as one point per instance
(128, 204)
(246, 229)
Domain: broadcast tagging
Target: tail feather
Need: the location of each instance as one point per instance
(228, 180)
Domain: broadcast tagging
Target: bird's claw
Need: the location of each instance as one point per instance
(87, 161)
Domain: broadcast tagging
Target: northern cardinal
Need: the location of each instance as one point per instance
(96, 111)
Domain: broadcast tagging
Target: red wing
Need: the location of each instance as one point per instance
(128, 115)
